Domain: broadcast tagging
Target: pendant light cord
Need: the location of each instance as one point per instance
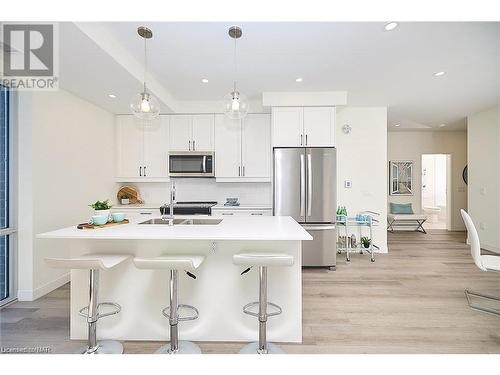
(145, 63)
(235, 66)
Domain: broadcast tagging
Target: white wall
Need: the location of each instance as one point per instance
(66, 161)
(410, 145)
(483, 133)
(362, 158)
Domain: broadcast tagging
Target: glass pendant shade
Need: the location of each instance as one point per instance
(145, 106)
(235, 105)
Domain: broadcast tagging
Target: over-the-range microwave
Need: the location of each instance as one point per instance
(191, 164)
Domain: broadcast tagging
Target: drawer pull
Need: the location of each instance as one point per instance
(146, 213)
(256, 213)
(227, 213)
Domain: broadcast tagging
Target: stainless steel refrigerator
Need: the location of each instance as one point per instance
(305, 188)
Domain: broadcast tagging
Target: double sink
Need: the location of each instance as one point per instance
(183, 221)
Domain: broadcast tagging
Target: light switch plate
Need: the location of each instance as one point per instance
(347, 184)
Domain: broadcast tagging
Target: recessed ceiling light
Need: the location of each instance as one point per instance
(439, 74)
(397, 125)
(442, 125)
(391, 26)
(112, 96)
(298, 79)
(204, 80)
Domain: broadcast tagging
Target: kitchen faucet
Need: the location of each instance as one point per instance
(170, 216)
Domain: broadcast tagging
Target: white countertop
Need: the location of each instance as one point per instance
(240, 228)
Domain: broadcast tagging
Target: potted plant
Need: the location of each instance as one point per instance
(101, 208)
(125, 199)
(365, 241)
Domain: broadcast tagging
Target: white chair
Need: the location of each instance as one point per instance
(262, 260)
(174, 263)
(483, 262)
(94, 263)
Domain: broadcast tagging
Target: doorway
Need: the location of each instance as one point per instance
(436, 190)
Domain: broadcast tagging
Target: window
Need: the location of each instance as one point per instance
(5, 230)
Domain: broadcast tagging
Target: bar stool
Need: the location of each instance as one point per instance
(262, 260)
(174, 263)
(94, 263)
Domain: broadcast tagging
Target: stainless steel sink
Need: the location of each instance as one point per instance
(183, 221)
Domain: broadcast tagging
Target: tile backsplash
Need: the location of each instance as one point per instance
(206, 189)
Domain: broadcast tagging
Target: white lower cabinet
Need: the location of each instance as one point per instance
(138, 213)
(221, 212)
(243, 149)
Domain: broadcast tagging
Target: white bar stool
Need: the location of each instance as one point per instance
(174, 263)
(262, 260)
(94, 263)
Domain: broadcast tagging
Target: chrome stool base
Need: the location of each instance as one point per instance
(103, 347)
(253, 348)
(185, 347)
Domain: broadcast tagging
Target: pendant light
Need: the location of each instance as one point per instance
(144, 105)
(235, 103)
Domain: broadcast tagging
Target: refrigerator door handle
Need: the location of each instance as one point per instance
(302, 185)
(318, 226)
(309, 185)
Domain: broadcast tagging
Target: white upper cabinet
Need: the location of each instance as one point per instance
(180, 133)
(319, 129)
(227, 147)
(191, 132)
(303, 126)
(129, 142)
(203, 133)
(142, 149)
(288, 126)
(156, 149)
(256, 146)
(243, 149)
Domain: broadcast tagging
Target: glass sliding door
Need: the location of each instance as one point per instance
(6, 230)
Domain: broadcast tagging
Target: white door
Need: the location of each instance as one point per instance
(203, 133)
(181, 135)
(319, 129)
(156, 148)
(130, 145)
(287, 127)
(227, 147)
(256, 146)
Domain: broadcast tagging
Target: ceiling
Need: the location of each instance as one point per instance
(376, 67)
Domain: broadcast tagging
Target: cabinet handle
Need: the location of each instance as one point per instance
(301, 136)
(256, 213)
(194, 145)
(227, 213)
(146, 213)
(239, 171)
(140, 171)
(243, 171)
(306, 139)
(189, 145)
(144, 171)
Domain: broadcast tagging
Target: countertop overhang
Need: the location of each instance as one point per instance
(242, 228)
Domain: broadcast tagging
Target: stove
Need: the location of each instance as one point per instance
(190, 208)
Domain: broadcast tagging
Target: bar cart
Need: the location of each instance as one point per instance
(364, 221)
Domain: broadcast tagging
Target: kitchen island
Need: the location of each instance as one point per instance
(219, 292)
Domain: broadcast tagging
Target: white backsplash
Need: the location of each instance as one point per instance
(206, 189)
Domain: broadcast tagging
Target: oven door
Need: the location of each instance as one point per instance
(191, 164)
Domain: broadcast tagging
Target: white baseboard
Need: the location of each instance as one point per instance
(31, 295)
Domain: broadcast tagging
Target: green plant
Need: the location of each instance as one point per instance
(366, 242)
(104, 205)
(124, 196)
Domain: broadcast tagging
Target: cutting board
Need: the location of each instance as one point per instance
(92, 226)
(132, 192)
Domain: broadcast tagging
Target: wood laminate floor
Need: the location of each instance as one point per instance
(409, 301)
